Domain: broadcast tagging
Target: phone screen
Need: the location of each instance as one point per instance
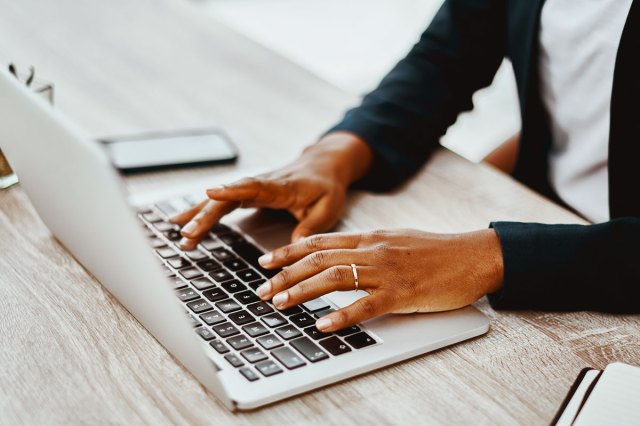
(171, 150)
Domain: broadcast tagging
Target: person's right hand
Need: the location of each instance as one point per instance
(313, 189)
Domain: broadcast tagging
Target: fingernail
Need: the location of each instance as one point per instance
(185, 244)
(265, 259)
(217, 188)
(323, 323)
(189, 227)
(264, 289)
(174, 219)
(280, 299)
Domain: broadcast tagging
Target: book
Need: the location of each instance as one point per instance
(602, 397)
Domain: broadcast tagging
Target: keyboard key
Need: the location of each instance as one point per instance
(239, 342)
(251, 253)
(172, 235)
(208, 265)
(292, 311)
(249, 374)
(187, 294)
(221, 276)
(309, 349)
(220, 229)
(248, 275)
(179, 263)
(205, 333)
(193, 321)
(255, 329)
(202, 283)
(253, 355)
(360, 340)
(234, 360)
(315, 334)
(152, 217)
(228, 305)
(347, 331)
(315, 305)
(219, 347)
(164, 226)
(225, 329)
(322, 313)
(168, 272)
(241, 317)
(255, 284)
(288, 358)
(195, 255)
(233, 286)
(212, 318)
(268, 368)
(210, 244)
(156, 243)
(274, 320)
(168, 208)
(335, 346)
(222, 254)
(235, 265)
(198, 306)
(288, 332)
(167, 253)
(215, 294)
(259, 308)
(232, 239)
(190, 273)
(269, 342)
(247, 297)
(302, 320)
(177, 283)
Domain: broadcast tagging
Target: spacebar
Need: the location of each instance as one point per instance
(251, 253)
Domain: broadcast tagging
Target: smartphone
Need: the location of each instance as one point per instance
(170, 150)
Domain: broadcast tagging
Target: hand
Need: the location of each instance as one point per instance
(313, 189)
(403, 271)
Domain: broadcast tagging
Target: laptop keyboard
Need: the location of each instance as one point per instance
(217, 284)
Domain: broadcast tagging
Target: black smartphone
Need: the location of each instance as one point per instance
(170, 150)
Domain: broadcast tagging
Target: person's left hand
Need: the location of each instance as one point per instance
(403, 271)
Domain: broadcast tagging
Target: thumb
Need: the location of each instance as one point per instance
(321, 217)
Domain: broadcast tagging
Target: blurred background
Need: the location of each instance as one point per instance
(353, 43)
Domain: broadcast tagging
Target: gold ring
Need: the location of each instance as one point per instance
(354, 269)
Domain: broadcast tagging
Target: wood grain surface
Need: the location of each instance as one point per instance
(71, 354)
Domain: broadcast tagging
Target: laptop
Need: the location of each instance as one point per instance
(200, 305)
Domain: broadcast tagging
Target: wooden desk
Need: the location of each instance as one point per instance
(70, 352)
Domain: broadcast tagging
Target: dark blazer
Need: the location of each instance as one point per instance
(550, 267)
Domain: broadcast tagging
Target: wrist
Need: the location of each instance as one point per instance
(347, 155)
(491, 262)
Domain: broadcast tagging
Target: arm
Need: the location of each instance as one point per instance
(404, 118)
(570, 267)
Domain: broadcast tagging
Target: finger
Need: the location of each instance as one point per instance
(291, 253)
(208, 216)
(309, 266)
(336, 278)
(359, 311)
(187, 215)
(253, 192)
(321, 217)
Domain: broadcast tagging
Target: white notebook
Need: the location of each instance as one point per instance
(609, 397)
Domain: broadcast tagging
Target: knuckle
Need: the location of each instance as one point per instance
(282, 278)
(366, 307)
(283, 253)
(302, 288)
(317, 259)
(336, 274)
(314, 242)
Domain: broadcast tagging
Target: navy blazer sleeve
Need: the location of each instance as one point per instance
(403, 119)
(570, 267)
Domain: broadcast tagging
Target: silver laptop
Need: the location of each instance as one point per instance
(201, 305)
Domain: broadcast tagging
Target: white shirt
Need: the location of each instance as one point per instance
(579, 42)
